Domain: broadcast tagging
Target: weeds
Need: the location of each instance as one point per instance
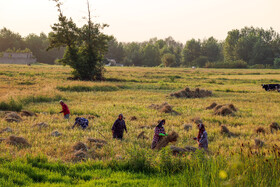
(11, 105)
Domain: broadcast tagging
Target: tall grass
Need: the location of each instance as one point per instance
(11, 105)
(41, 99)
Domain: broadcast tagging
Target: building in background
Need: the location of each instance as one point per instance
(17, 58)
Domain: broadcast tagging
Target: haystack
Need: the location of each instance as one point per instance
(133, 118)
(188, 93)
(80, 146)
(217, 107)
(13, 117)
(27, 113)
(224, 111)
(260, 130)
(274, 126)
(172, 137)
(41, 125)
(8, 129)
(56, 134)
(93, 140)
(90, 117)
(187, 127)
(259, 143)
(213, 105)
(17, 141)
(142, 135)
(79, 156)
(225, 130)
(164, 108)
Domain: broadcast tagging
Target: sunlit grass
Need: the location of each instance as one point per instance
(130, 91)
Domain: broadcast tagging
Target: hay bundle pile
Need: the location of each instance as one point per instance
(223, 110)
(17, 141)
(164, 108)
(187, 93)
(260, 130)
(13, 117)
(41, 125)
(79, 156)
(90, 117)
(259, 143)
(225, 130)
(133, 118)
(27, 113)
(56, 134)
(80, 146)
(274, 126)
(80, 152)
(172, 137)
(8, 129)
(213, 105)
(142, 135)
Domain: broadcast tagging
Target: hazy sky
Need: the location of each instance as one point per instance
(140, 20)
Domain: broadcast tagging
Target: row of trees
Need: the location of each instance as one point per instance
(248, 46)
(242, 48)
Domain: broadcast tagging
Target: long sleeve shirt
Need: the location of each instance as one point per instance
(203, 140)
(118, 127)
(158, 130)
(65, 109)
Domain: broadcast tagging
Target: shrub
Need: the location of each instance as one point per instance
(230, 64)
(79, 88)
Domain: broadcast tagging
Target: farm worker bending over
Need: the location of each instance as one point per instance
(65, 110)
(82, 122)
(118, 128)
(202, 137)
(159, 133)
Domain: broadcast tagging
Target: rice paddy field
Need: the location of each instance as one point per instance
(234, 158)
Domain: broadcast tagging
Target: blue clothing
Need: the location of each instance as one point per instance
(83, 122)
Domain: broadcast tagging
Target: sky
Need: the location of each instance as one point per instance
(140, 20)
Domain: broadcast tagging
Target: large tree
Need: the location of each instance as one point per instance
(85, 46)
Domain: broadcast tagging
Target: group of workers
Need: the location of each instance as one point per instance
(119, 127)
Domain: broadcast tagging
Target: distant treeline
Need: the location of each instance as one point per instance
(248, 47)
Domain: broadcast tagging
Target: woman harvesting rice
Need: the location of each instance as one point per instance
(201, 138)
(159, 133)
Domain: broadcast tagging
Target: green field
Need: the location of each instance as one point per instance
(231, 161)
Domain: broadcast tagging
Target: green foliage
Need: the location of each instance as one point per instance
(168, 60)
(11, 105)
(252, 45)
(41, 99)
(85, 46)
(231, 64)
(191, 51)
(276, 63)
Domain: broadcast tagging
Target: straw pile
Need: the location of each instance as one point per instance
(164, 108)
(172, 137)
(27, 113)
(223, 110)
(17, 141)
(274, 127)
(13, 117)
(188, 93)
